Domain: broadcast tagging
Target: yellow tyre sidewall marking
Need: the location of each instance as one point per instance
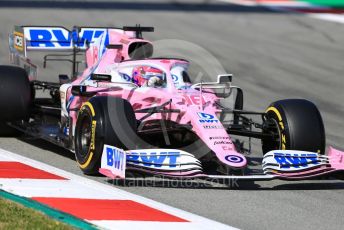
(84, 165)
(92, 144)
(281, 125)
(90, 106)
(273, 109)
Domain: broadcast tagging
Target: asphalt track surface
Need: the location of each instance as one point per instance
(272, 55)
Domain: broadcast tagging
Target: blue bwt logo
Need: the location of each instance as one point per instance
(126, 77)
(59, 37)
(175, 78)
(115, 158)
(296, 160)
(207, 118)
(154, 159)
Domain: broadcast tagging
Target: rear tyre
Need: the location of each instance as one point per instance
(296, 124)
(103, 120)
(15, 97)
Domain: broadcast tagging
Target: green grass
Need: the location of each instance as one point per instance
(333, 3)
(15, 216)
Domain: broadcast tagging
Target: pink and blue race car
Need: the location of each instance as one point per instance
(128, 111)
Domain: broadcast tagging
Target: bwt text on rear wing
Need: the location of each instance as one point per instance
(26, 38)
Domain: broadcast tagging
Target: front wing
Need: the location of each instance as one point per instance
(277, 164)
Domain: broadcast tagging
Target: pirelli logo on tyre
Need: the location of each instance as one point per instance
(18, 41)
(283, 142)
(93, 136)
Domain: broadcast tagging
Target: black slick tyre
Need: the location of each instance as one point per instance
(15, 97)
(297, 125)
(102, 120)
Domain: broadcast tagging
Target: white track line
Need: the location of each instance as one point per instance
(267, 3)
(329, 17)
(286, 6)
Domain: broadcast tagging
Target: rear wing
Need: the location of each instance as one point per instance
(58, 38)
(48, 38)
(41, 38)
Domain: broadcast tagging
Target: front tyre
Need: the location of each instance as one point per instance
(297, 125)
(102, 120)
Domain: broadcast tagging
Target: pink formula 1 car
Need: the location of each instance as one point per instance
(130, 112)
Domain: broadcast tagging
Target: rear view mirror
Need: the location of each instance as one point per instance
(81, 91)
(101, 77)
(78, 90)
(224, 78)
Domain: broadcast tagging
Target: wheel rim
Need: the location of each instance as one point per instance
(85, 136)
(273, 128)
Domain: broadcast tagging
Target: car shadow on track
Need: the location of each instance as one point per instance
(47, 146)
(227, 184)
(311, 186)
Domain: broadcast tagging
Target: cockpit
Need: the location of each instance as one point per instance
(152, 75)
(140, 75)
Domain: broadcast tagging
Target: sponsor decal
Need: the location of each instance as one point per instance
(154, 159)
(193, 99)
(226, 148)
(175, 78)
(114, 160)
(222, 142)
(296, 160)
(234, 159)
(126, 77)
(115, 157)
(66, 131)
(61, 38)
(212, 127)
(19, 41)
(207, 118)
(219, 138)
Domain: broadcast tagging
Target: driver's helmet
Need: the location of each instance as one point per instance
(142, 74)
